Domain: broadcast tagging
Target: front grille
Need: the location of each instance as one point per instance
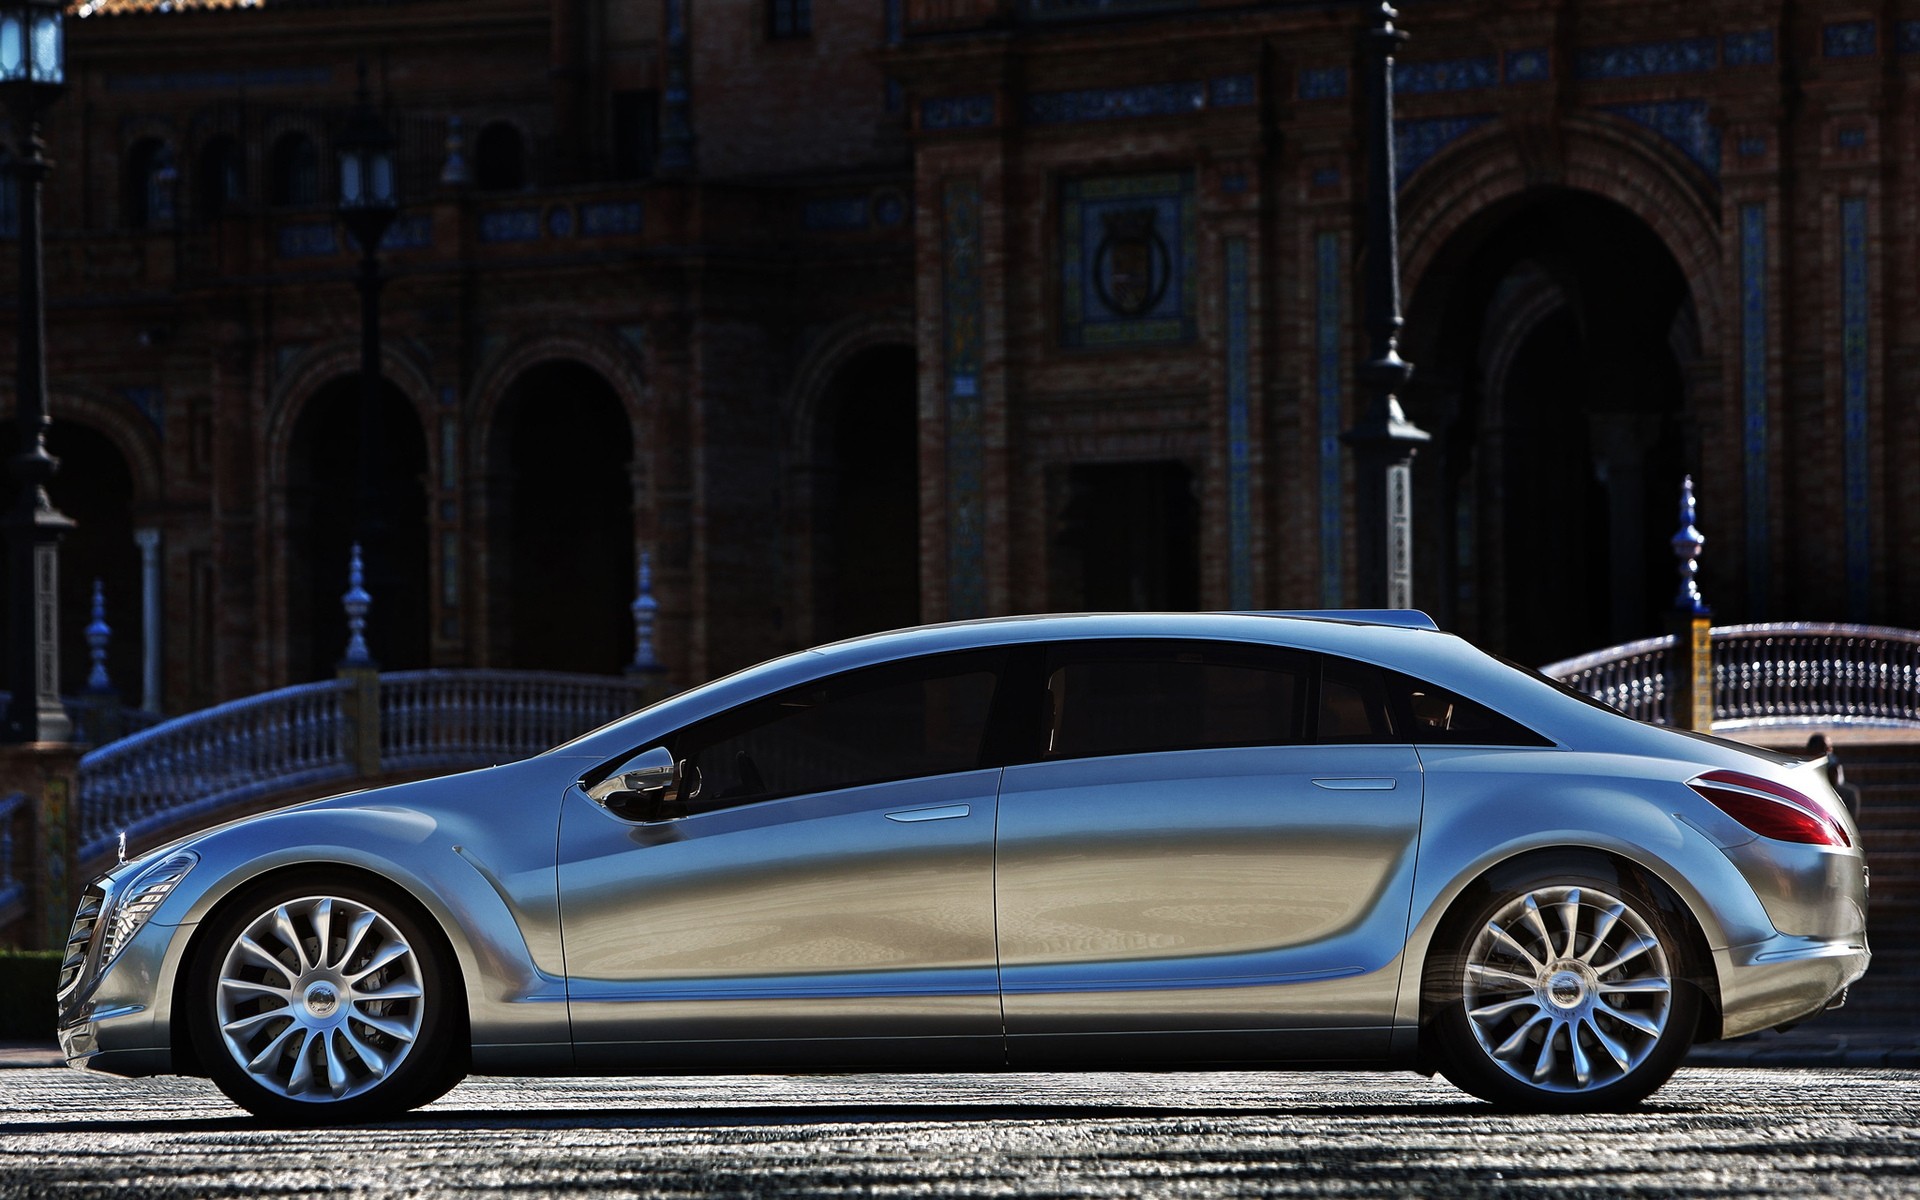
(92, 901)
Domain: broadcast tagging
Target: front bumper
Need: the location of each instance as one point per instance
(117, 1017)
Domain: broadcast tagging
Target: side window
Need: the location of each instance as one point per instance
(900, 721)
(1438, 717)
(1354, 706)
(1133, 697)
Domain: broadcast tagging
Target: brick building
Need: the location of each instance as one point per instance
(852, 313)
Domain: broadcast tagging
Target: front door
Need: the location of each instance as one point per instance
(824, 899)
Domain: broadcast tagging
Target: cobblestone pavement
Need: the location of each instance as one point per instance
(1709, 1133)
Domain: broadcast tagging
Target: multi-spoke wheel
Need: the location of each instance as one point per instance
(322, 1003)
(1562, 992)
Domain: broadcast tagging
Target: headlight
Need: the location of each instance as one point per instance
(140, 900)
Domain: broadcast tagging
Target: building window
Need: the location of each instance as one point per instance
(636, 133)
(499, 159)
(789, 18)
(149, 183)
(294, 171)
(220, 177)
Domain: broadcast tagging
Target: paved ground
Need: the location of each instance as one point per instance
(1709, 1133)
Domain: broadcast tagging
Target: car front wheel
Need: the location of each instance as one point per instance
(1562, 992)
(322, 1002)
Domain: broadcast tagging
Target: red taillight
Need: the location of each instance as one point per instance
(1770, 809)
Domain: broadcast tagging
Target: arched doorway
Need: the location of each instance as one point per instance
(1549, 337)
(1124, 537)
(560, 516)
(866, 481)
(323, 489)
(94, 487)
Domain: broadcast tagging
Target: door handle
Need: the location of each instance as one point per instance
(946, 812)
(1357, 784)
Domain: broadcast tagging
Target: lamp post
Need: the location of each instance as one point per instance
(32, 75)
(368, 205)
(1383, 440)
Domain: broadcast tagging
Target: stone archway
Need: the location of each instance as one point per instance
(321, 474)
(862, 492)
(1550, 334)
(560, 522)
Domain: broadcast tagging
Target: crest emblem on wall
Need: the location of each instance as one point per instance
(1132, 265)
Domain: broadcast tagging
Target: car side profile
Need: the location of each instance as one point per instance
(1108, 841)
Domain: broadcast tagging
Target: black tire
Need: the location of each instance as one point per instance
(356, 1030)
(1562, 1017)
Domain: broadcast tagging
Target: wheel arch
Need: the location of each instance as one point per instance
(1603, 862)
(186, 1051)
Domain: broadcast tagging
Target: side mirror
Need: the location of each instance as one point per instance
(647, 787)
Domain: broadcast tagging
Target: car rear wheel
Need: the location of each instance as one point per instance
(1563, 991)
(323, 1002)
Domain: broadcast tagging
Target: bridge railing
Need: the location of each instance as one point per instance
(302, 737)
(1772, 674)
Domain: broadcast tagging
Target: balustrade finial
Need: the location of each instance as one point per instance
(455, 172)
(98, 634)
(1686, 547)
(645, 610)
(356, 601)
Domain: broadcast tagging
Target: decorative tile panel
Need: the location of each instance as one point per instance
(1128, 260)
(1753, 401)
(1116, 104)
(413, 231)
(249, 79)
(1906, 37)
(307, 239)
(1854, 361)
(1752, 147)
(1682, 122)
(1326, 177)
(152, 403)
(510, 225)
(611, 218)
(1529, 66)
(1445, 75)
(1231, 91)
(835, 214)
(1681, 56)
(963, 334)
(890, 208)
(1327, 324)
(1848, 39)
(1753, 48)
(560, 221)
(1853, 137)
(1323, 83)
(956, 112)
(1239, 427)
(1415, 142)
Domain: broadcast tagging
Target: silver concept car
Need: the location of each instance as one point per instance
(1097, 842)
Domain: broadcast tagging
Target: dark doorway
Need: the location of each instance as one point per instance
(94, 487)
(1125, 538)
(867, 484)
(323, 488)
(1549, 337)
(561, 566)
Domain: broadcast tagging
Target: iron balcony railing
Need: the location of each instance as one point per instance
(1774, 674)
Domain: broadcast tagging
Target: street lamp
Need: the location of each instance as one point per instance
(33, 72)
(368, 204)
(1383, 441)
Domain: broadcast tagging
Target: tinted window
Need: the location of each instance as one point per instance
(927, 717)
(1107, 698)
(1439, 717)
(1354, 705)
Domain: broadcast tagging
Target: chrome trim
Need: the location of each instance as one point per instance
(945, 812)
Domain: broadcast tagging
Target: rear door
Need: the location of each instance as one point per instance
(1186, 874)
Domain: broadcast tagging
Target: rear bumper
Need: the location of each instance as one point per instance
(1784, 979)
